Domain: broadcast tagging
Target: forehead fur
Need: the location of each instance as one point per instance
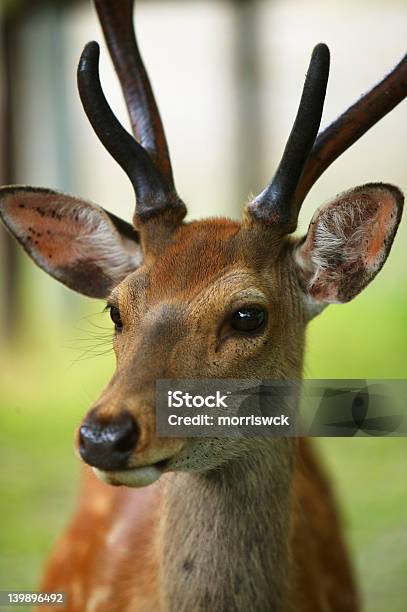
(199, 250)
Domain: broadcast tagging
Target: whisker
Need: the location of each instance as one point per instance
(96, 340)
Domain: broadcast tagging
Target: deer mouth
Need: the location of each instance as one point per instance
(133, 477)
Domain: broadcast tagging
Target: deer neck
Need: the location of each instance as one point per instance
(224, 535)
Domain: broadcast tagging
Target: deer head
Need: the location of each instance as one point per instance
(214, 298)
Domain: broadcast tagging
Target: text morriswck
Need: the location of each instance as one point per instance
(201, 420)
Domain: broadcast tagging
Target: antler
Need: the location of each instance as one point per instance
(116, 19)
(146, 162)
(304, 160)
(351, 125)
(274, 205)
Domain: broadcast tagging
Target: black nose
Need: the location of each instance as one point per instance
(108, 445)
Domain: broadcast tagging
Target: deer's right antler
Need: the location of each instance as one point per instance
(116, 20)
(145, 158)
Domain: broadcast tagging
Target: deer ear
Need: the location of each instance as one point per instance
(78, 243)
(348, 242)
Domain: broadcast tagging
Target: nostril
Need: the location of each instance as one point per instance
(127, 437)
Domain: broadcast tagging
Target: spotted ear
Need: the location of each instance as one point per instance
(348, 241)
(78, 243)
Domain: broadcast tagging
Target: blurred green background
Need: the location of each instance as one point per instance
(55, 352)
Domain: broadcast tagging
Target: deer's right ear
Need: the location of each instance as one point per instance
(78, 243)
(347, 243)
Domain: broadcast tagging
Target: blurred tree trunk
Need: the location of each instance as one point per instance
(9, 310)
(248, 99)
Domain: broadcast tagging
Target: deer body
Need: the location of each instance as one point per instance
(218, 525)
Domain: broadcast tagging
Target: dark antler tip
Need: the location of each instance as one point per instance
(90, 54)
(322, 49)
(320, 60)
(323, 55)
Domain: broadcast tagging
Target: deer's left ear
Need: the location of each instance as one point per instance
(348, 241)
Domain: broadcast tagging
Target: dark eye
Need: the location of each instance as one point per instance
(115, 316)
(248, 319)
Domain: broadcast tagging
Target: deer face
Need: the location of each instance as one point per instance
(209, 299)
(221, 316)
(212, 299)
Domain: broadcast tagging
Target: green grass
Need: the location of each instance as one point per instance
(44, 393)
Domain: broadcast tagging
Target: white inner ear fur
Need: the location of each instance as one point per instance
(338, 232)
(99, 239)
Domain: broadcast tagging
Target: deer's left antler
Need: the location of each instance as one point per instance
(351, 125)
(307, 156)
(273, 206)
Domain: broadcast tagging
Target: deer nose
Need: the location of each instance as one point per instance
(108, 445)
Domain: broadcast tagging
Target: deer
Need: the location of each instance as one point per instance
(205, 524)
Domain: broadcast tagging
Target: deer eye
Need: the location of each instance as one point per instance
(116, 318)
(248, 319)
